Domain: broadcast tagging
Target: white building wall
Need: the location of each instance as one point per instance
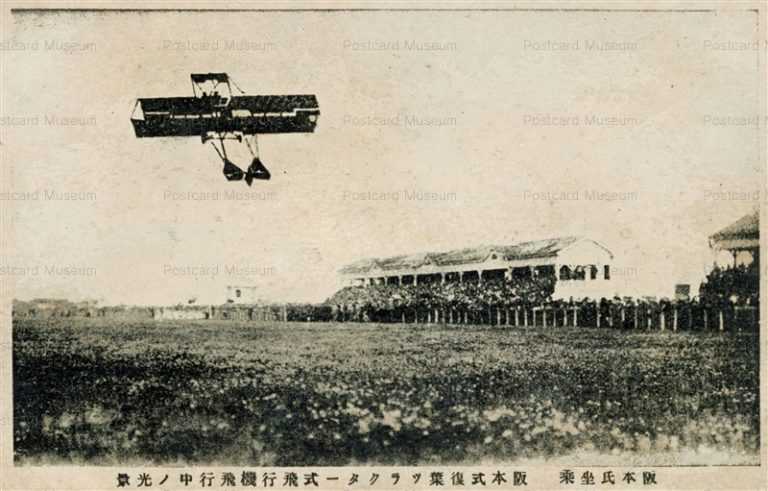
(586, 253)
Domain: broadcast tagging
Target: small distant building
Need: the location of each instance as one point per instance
(581, 266)
(683, 292)
(741, 239)
(242, 294)
(54, 307)
(182, 312)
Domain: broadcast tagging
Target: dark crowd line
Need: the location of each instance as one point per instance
(728, 300)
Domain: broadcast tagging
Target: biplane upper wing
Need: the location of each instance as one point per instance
(250, 115)
(219, 77)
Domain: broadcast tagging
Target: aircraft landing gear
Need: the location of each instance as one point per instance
(232, 172)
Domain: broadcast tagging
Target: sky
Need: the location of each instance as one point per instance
(438, 130)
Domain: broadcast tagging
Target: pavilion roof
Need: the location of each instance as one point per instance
(746, 227)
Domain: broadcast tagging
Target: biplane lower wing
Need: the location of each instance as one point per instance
(249, 115)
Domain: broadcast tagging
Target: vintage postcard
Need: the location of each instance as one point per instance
(382, 245)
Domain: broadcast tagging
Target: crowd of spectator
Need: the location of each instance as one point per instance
(495, 302)
(738, 285)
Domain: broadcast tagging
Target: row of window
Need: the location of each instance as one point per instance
(565, 273)
(581, 272)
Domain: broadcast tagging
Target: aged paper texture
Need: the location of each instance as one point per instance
(385, 246)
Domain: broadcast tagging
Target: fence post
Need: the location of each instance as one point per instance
(674, 319)
(598, 314)
(498, 316)
(517, 316)
(623, 317)
(634, 310)
(663, 318)
(706, 323)
(649, 312)
(575, 316)
(722, 326)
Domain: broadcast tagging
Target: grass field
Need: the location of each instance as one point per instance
(103, 392)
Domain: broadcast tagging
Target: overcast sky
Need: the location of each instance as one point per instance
(438, 130)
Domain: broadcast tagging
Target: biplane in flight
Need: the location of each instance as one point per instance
(217, 117)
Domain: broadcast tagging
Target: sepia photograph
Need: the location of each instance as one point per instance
(364, 236)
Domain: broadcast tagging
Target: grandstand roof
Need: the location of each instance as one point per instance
(524, 250)
(746, 227)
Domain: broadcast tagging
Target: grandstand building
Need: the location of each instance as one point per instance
(582, 266)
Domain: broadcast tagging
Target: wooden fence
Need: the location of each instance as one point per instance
(661, 317)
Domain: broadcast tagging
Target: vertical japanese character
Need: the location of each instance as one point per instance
(123, 480)
(498, 478)
(144, 481)
(185, 479)
(518, 478)
(649, 477)
(291, 479)
(249, 478)
(268, 479)
(228, 479)
(608, 478)
(567, 476)
(206, 479)
(311, 479)
(457, 478)
(436, 479)
(478, 478)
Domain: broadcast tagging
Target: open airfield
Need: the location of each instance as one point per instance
(103, 391)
